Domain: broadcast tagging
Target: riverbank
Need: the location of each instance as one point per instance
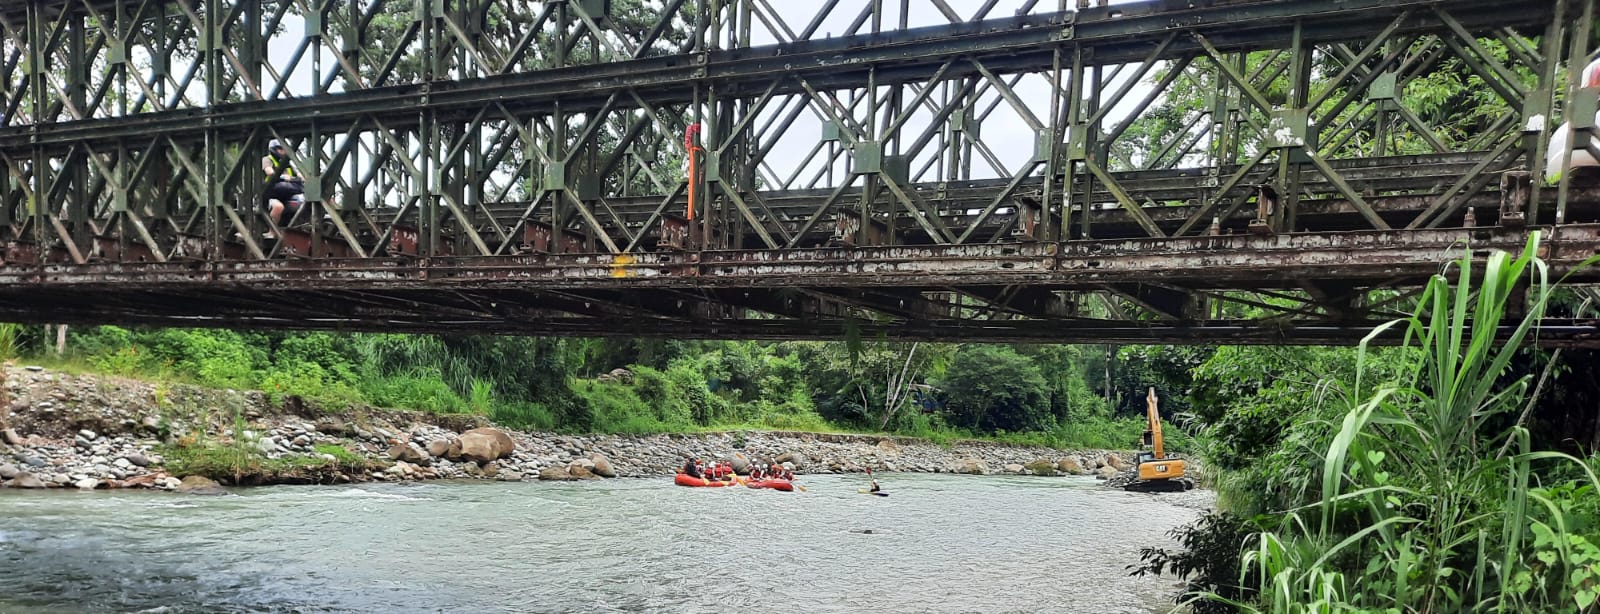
(89, 432)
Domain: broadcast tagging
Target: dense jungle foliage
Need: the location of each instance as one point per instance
(1452, 474)
(1066, 396)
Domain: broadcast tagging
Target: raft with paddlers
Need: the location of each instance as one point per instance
(773, 484)
(695, 474)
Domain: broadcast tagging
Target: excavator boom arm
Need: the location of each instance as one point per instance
(1155, 425)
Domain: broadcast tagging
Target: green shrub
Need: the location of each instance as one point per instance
(667, 397)
(419, 390)
(345, 459)
(221, 462)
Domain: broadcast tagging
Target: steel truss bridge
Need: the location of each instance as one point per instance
(1173, 171)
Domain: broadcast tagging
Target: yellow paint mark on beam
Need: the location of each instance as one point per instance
(620, 264)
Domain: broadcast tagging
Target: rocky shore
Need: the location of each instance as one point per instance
(91, 432)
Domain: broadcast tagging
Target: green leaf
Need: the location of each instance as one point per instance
(1547, 556)
(1585, 598)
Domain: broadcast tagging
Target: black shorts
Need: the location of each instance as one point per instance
(282, 191)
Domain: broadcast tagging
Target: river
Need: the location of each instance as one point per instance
(938, 543)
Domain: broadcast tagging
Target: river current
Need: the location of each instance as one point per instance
(938, 543)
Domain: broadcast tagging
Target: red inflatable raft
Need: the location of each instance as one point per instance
(683, 479)
(783, 485)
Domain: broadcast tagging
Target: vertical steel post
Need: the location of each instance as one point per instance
(1577, 59)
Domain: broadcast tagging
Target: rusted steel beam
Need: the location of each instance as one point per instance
(1554, 332)
(1229, 261)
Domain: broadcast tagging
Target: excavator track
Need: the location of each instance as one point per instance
(1174, 485)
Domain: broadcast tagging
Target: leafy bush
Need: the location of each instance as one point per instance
(1209, 561)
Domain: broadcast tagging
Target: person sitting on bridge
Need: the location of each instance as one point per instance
(282, 183)
(691, 468)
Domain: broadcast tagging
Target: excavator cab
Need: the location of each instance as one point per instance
(1156, 471)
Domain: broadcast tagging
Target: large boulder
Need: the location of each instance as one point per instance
(439, 447)
(971, 466)
(486, 445)
(9, 471)
(26, 480)
(1071, 466)
(555, 473)
(1014, 468)
(797, 458)
(887, 448)
(602, 465)
(11, 437)
(200, 485)
(410, 454)
(581, 468)
(741, 463)
(1106, 473)
(1041, 467)
(1115, 461)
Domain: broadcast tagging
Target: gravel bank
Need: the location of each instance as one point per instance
(87, 431)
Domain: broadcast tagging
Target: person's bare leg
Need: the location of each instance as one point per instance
(274, 211)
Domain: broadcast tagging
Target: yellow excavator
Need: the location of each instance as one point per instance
(1156, 471)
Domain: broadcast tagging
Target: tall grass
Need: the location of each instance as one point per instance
(10, 341)
(1417, 511)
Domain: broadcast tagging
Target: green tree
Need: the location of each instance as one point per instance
(992, 388)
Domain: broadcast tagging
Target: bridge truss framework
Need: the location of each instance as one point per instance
(916, 168)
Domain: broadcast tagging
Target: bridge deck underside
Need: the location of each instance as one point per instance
(1319, 287)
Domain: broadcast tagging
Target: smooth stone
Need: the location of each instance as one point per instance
(200, 485)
